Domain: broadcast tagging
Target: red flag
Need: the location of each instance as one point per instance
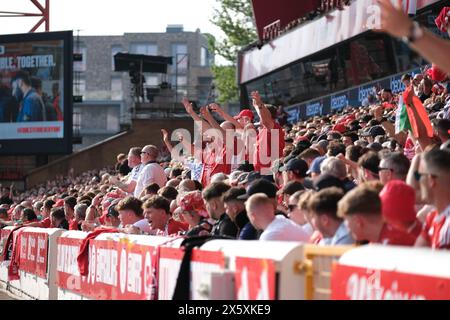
(421, 112)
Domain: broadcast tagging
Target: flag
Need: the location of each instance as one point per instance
(401, 117)
(422, 113)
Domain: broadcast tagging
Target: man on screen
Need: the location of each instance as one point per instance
(32, 107)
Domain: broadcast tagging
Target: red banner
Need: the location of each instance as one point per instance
(33, 253)
(255, 279)
(355, 283)
(4, 233)
(118, 270)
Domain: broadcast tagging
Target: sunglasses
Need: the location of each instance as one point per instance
(142, 152)
(292, 207)
(418, 175)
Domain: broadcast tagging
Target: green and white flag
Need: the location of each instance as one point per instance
(401, 117)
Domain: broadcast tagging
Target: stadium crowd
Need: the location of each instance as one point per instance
(376, 173)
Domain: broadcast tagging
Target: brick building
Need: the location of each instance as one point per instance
(108, 104)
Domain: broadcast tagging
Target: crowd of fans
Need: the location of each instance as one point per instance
(354, 177)
(337, 179)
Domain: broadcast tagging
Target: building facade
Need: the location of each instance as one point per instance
(108, 103)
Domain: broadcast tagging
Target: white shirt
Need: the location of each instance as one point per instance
(134, 174)
(342, 236)
(308, 228)
(283, 229)
(150, 173)
(143, 225)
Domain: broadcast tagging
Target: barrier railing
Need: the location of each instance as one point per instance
(36, 263)
(121, 266)
(317, 266)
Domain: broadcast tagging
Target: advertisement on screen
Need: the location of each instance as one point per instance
(35, 92)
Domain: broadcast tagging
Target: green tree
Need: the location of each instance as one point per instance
(235, 19)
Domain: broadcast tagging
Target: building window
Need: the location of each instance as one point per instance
(180, 57)
(151, 80)
(116, 89)
(144, 48)
(79, 87)
(182, 81)
(114, 51)
(180, 85)
(80, 65)
(206, 59)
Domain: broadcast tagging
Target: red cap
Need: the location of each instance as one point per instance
(339, 127)
(59, 203)
(436, 74)
(193, 201)
(398, 201)
(245, 113)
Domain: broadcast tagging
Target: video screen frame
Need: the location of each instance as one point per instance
(40, 146)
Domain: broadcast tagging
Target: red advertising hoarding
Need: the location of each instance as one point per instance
(255, 279)
(33, 253)
(118, 270)
(356, 283)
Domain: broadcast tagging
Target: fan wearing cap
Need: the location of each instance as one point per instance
(400, 214)
(362, 210)
(294, 170)
(213, 197)
(286, 192)
(244, 117)
(194, 214)
(269, 133)
(261, 213)
(112, 217)
(235, 209)
(157, 212)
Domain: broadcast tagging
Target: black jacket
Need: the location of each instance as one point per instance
(225, 227)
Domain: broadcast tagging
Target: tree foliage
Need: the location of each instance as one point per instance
(235, 19)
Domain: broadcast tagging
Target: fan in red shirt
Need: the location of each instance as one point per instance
(400, 214)
(434, 176)
(46, 222)
(361, 209)
(221, 148)
(270, 132)
(69, 211)
(157, 212)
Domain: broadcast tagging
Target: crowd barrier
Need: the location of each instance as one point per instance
(36, 249)
(392, 273)
(138, 267)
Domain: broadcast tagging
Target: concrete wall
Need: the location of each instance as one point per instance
(104, 153)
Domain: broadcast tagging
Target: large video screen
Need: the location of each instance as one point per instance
(36, 93)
